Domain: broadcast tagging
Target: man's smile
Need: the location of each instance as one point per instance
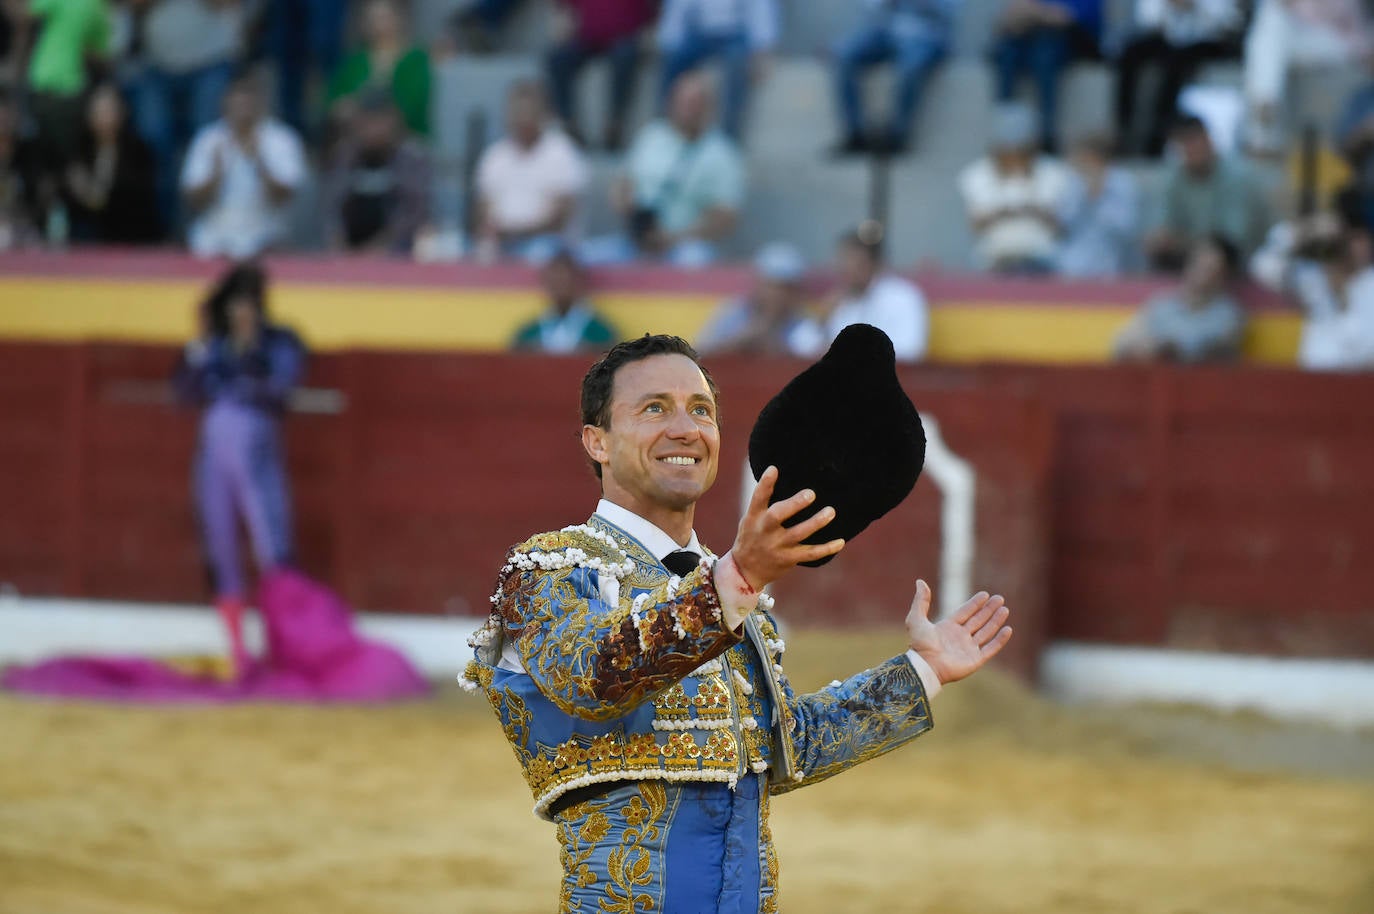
(680, 461)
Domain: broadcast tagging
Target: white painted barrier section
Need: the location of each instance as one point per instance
(1335, 691)
(957, 482)
(35, 629)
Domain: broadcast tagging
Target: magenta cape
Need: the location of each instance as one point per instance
(313, 654)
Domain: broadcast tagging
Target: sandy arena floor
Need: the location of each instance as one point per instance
(1010, 805)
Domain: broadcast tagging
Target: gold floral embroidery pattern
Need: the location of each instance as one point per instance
(578, 845)
(768, 891)
(847, 724)
(596, 661)
(632, 865)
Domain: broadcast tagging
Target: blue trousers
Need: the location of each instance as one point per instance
(734, 54)
(915, 58)
(566, 60)
(1043, 52)
(303, 36)
(168, 109)
(667, 848)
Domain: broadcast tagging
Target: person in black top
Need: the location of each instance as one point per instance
(110, 185)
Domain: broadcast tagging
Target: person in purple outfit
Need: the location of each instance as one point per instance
(242, 371)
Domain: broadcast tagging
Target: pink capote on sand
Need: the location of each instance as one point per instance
(313, 654)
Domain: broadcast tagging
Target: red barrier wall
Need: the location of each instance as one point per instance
(1218, 508)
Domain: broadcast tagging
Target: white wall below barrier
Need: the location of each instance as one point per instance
(1340, 692)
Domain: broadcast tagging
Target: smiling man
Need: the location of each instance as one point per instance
(639, 678)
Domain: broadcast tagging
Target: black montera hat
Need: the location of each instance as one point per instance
(844, 428)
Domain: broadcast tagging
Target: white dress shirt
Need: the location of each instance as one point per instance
(659, 544)
(242, 220)
(890, 303)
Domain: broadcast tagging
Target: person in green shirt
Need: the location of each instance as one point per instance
(73, 33)
(386, 59)
(570, 323)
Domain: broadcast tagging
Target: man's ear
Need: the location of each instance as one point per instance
(594, 443)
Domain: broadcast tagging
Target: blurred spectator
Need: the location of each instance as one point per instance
(239, 176)
(683, 188)
(304, 39)
(1355, 139)
(599, 28)
(1042, 37)
(111, 182)
(1295, 33)
(476, 26)
(1176, 37)
(741, 33)
(570, 323)
(386, 59)
(1324, 264)
(867, 295)
(377, 192)
(72, 35)
(1015, 197)
(528, 182)
(914, 36)
(1198, 320)
(1204, 194)
(187, 50)
(1100, 216)
(20, 222)
(762, 321)
(242, 370)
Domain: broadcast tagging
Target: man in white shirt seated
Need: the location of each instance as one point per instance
(528, 182)
(682, 190)
(1015, 197)
(868, 295)
(1325, 264)
(240, 176)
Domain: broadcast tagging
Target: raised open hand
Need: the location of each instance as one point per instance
(956, 647)
(764, 549)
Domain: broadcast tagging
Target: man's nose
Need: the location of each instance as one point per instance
(683, 425)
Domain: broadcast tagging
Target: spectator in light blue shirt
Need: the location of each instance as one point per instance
(739, 32)
(1196, 321)
(1100, 215)
(682, 189)
(912, 35)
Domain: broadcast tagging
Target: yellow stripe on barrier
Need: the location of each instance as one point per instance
(429, 318)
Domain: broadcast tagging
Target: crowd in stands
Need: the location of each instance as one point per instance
(150, 122)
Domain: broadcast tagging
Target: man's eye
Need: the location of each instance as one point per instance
(702, 411)
(654, 408)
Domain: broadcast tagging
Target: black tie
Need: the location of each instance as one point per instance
(681, 562)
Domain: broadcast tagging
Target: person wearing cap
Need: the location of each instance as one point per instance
(376, 194)
(570, 323)
(1015, 197)
(867, 294)
(761, 321)
(639, 678)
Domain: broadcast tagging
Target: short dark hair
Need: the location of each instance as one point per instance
(599, 381)
(243, 280)
(1188, 123)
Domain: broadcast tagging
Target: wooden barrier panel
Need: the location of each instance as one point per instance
(1227, 509)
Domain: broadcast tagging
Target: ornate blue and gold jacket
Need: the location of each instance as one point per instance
(603, 667)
